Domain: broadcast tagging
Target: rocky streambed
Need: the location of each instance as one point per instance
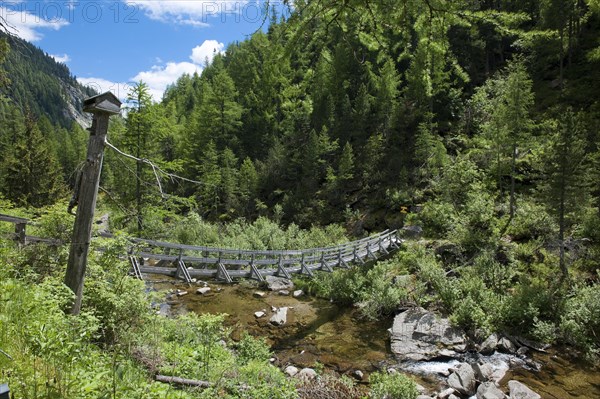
(307, 332)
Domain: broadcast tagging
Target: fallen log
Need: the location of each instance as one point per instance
(182, 381)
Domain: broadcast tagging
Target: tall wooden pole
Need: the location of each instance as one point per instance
(88, 191)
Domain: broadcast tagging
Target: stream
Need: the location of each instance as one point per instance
(319, 332)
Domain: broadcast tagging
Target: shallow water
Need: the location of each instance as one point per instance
(320, 332)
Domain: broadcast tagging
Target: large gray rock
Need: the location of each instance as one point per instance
(506, 345)
(463, 379)
(421, 335)
(489, 390)
(307, 374)
(280, 317)
(275, 283)
(518, 390)
(483, 372)
(489, 345)
(291, 371)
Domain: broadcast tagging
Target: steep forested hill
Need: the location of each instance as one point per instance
(355, 109)
(41, 85)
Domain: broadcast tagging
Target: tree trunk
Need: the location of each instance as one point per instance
(513, 167)
(182, 381)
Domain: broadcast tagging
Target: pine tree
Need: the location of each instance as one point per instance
(565, 168)
(31, 173)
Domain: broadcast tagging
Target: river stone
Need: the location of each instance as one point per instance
(489, 345)
(483, 372)
(298, 293)
(259, 314)
(358, 375)
(284, 293)
(423, 397)
(280, 317)
(278, 283)
(518, 390)
(506, 345)
(181, 293)
(463, 379)
(307, 374)
(291, 371)
(417, 334)
(203, 290)
(489, 390)
(445, 394)
(260, 294)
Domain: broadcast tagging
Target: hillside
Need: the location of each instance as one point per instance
(42, 86)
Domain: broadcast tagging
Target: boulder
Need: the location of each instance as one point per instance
(203, 290)
(453, 396)
(483, 372)
(307, 374)
(298, 293)
(489, 390)
(463, 379)
(280, 317)
(423, 397)
(506, 345)
(284, 293)
(417, 334)
(291, 371)
(446, 393)
(358, 375)
(518, 390)
(259, 314)
(278, 283)
(489, 345)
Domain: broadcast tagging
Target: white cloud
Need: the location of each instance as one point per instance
(61, 58)
(158, 77)
(26, 25)
(102, 85)
(207, 50)
(188, 12)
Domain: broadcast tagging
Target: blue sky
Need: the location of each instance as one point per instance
(110, 43)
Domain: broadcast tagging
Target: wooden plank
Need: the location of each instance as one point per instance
(12, 219)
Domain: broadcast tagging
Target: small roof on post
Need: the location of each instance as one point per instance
(106, 103)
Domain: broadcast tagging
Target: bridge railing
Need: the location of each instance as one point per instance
(209, 257)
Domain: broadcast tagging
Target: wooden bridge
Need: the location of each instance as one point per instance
(188, 262)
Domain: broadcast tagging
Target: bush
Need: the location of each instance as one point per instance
(252, 349)
(392, 386)
(386, 289)
(580, 322)
(531, 221)
(437, 218)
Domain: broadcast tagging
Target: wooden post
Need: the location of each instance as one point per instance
(20, 234)
(102, 107)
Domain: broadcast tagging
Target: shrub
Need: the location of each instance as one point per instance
(580, 322)
(252, 349)
(392, 386)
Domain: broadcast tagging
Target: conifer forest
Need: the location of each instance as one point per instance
(472, 127)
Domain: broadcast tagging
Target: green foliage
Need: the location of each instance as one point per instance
(252, 349)
(392, 386)
(580, 321)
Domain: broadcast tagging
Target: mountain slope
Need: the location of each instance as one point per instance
(41, 85)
